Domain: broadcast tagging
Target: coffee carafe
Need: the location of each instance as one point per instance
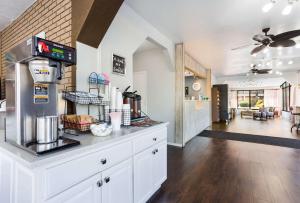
(134, 100)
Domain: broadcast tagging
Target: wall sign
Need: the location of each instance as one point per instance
(119, 65)
(196, 86)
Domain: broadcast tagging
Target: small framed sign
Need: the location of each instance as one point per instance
(119, 65)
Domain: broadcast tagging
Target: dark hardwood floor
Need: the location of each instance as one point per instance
(215, 170)
(276, 127)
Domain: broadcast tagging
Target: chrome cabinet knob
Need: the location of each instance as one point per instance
(154, 139)
(103, 161)
(154, 151)
(107, 179)
(99, 183)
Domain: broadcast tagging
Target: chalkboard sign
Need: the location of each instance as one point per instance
(119, 64)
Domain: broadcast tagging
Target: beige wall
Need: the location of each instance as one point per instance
(51, 16)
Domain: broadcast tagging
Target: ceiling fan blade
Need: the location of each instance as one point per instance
(286, 35)
(242, 46)
(263, 71)
(284, 43)
(258, 49)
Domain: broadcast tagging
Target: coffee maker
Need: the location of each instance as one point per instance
(33, 69)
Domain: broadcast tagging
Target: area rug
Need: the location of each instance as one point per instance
(260, 139)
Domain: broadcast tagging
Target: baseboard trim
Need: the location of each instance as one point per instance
(174, 144)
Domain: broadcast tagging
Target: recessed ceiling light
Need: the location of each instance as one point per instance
(279, 48)
(287, 10)
(268, 6)
(266, 51)
(268, 63)
(290, 62)
(298, 46)
(279, 63)
(254, 55)
(277, 72)
(270, 72)
(259, 65)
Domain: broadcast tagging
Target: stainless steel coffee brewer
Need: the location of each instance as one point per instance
(33, 69)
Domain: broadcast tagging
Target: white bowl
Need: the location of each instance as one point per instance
(101, 130)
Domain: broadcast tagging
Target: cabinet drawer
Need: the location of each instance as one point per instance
(148, 140)
(63, 176)
(115, 155)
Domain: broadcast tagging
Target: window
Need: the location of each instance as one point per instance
(286, 96)
(250, 98)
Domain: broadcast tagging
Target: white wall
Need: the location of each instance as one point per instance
(160, 87)
(126, 33)
(87, 62)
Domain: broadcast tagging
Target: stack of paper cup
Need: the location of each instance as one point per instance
(113, 101)
(126, 115)
(119, 104)
(106, 114)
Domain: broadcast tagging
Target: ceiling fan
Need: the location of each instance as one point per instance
(254, 70)
(264, 40)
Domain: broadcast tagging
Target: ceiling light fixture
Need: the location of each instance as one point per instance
(268, 63)
(290, 62)
(268, 6)
(279, 63)
(288, 8)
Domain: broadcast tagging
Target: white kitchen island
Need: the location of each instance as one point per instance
(127, 166)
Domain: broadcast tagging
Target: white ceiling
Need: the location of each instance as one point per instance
(211, 28)
(11, 9)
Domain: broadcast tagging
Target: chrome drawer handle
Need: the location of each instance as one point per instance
(99, 183)
(103, 161)
(107, 179)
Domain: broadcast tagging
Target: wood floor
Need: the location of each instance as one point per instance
(215, 170)
(272, 127)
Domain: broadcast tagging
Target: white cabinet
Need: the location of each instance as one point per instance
(150, 171)
(113, 185)
(6, 174)
(143, 173)
(87, 191)
(160, 165)
(127, 171)
(118, 183)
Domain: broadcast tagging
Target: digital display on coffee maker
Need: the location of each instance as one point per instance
(58, 51)
(55, 51)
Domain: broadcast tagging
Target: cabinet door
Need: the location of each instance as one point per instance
(86, 191)
(118, 183)
(160, 165)
(143, 176)
(6, 179)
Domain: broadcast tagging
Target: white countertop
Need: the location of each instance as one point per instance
(88, 144)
